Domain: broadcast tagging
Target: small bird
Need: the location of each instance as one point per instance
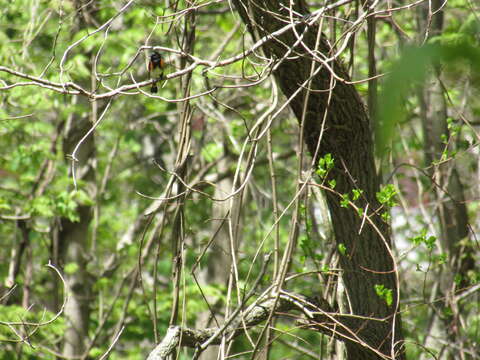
(156, 66)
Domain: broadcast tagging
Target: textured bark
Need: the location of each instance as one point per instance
(347, 136)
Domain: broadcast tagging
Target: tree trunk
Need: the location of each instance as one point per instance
(74, 236)
(217, 270)
(451, 206)
(73, 241)
(337, 124)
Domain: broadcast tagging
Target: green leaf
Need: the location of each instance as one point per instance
(386, 216)
(43, 206)
(304, 242)
(66, 206)
(386, 195)
(325, 164)
(4, 205)
(71, 268)
(458, 279)
(212, 151)
(82, 198)
(422, 239)
(96, 352)
(345, 200)
(332, 183)
(412, 69)
(356, 194)
(384, 293)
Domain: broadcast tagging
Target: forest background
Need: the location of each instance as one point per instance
(304, 185)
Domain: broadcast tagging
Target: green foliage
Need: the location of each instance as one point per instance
(212, 151)
(356, 194)
(345, 202)
(42, 206)
(422, 238)
(66, 206)
(70, 268)
(37, 186)
(342, 249)
(332, 183)
(412, 68)
(384, 293)
(325, 164)
(308, 246)
(386, 195)
(34, 322)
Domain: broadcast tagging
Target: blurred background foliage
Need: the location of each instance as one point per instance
(135, 149)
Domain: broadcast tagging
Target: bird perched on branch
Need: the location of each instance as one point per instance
(156, 65)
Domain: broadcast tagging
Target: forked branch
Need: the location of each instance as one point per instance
(317, 315)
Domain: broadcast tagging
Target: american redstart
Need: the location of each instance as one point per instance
(155, 69)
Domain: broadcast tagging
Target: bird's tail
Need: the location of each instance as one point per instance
(154, 88)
